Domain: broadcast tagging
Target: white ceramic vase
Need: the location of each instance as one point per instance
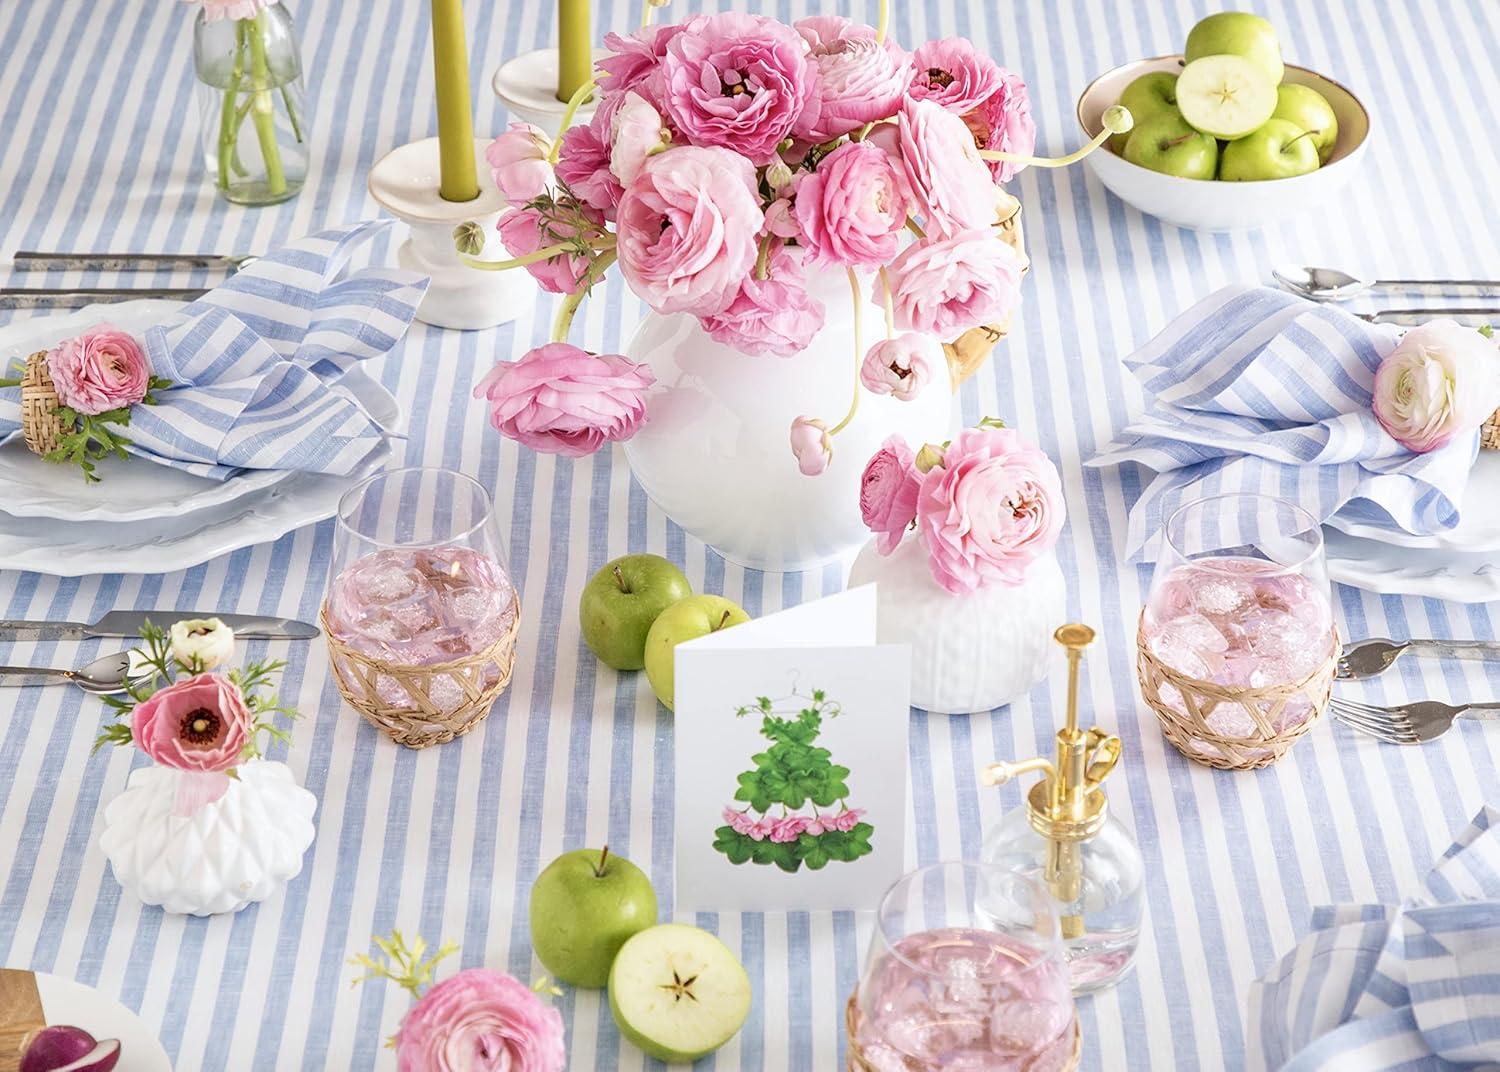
(527, 86)
(969, 653)
(239, 849)
(715, 454)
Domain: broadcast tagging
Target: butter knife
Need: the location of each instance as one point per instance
(27, 260)
(127, 623)
(79, 297)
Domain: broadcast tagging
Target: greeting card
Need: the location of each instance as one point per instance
(791, 761)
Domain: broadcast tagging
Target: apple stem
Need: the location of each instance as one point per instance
(603, 857)
(620, 580)
(1299, 137)
(1178, 140)
(722, 622)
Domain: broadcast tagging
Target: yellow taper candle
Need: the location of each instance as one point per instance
(450, 54)
(575, 51)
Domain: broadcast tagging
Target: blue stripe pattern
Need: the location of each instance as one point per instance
(105, 155)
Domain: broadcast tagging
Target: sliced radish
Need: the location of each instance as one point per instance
(69, 1049)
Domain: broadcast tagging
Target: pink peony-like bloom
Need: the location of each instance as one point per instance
(519, 162)
(198, 725)
(635, 134)
(945, 286)
(788, 829)
(100, 370)
(761, 830)
(948, 182)
(635, 62)
(781, 220)
(992, 508)
(1441, 381)
(954, 74)
(888, 493)
(687, 229)
(901, 367)
(740, 822)
(811, 445)
(846, 821)
(559, 399)
(737, 81)
(818, 824)
(481, 1021)
(852, 209)
(775, 315)
(521, 233)
(583, 159)
(213, 10)
(858, 80)
(1003, 121)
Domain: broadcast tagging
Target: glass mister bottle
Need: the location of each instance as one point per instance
(1066, 838)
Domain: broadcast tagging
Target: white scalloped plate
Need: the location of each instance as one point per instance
(1439, 573)
(66, 1001)
(1478, 531)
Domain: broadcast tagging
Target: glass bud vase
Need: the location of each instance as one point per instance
(254, 113)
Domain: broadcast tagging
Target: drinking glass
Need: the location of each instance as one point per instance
(965, 972)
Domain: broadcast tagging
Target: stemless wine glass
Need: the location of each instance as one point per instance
(965, 972)
(421, 612)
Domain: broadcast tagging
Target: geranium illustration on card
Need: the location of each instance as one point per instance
(791, 746)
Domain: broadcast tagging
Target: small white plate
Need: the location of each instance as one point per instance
(1479, 529)
(1460, 576)
(65, 1001)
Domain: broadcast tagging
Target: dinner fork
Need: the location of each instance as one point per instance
(1410, 723)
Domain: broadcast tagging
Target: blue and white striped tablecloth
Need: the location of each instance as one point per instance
(100, 152)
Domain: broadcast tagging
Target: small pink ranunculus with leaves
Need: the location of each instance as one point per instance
(100, 370)
(481, 1021)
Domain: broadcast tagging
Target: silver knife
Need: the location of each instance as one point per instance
(78, 297)
(127, 623)
(33, 261)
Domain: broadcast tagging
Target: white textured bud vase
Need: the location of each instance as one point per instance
(969, 653)
(225, 855)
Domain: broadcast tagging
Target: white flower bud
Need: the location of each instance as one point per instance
(200, 644)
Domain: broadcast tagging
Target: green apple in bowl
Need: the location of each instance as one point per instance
(1149, 95)
(1237, 33)
(585, 905)
(678, 992)
(621, 601)
(1310, 111)
(1278, 150)
(1166, 143)
(1226, 96)
(687, 619)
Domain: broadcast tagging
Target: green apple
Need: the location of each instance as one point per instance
(1226, 96)
(622, 600)
(678, 992)
(687, 619)
(1310, 111)
(585, 905)
(1167, 144)
(1150, 94)
(1237, 33)
(1277, 150)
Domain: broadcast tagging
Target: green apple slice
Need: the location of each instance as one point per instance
(1226, 96)
(678, 992)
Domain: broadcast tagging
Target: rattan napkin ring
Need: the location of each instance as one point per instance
(423, 721)
(1489, 432)
(857, 1062)
(1188, 728)
(41, 426)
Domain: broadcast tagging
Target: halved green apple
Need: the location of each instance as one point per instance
(1226, 96)
(678, 992)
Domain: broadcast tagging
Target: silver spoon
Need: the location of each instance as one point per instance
(105, 676)
(1333, 285)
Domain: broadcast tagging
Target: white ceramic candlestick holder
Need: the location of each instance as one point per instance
(527, 86)
(405, 183)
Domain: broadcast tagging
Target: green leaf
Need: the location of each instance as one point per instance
(815, 859)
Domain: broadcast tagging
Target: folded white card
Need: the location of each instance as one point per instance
(791, 756)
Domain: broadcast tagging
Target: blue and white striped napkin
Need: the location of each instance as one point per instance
(1381, 987)
(255, 364)
(1257, 390)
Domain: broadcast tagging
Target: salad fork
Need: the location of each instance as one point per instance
(1411, 723)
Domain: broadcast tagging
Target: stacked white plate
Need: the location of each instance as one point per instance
(1461, 565)
(143, 517)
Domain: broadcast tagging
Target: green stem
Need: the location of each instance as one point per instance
(859, 357)
(228, 129)
(883, 22)
(264, 110)
(574, 103)
(564, 322)
(890, 307)
(545, 253)
(291, 113)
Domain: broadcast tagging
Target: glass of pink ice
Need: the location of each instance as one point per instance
(965, 973)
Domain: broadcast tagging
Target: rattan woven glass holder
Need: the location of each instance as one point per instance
(41, 427)
(857, 1062)
(422, 722)
(1188, 729)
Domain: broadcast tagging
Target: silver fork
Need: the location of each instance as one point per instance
(1411, 723)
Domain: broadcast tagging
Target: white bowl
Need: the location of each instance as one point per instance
(1209, 205)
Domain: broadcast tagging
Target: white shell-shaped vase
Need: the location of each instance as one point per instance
(969, 653)
(229, 853)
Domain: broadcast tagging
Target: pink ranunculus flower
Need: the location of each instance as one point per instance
(944, 286)
(811, 445)
(521, 234)
(774, 316)
(948, 183)
(1003, 121)
(846, 821)
(635, 61)
(636, 134)
(687, 229)
(584, 157)
(858, 80)
(1441, 381)
(737, 81)
(481, 1021)
(213, 10)
(954, 74)
(901, 367)
(989, 511)
(781, 220)
(100, 370)
(518, 160)
(198, 725)
(888, 493)
(852, 209)
(559, 399)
